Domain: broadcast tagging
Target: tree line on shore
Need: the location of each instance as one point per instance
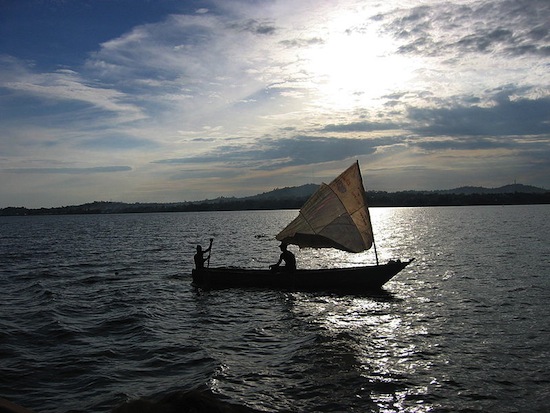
(263, 202)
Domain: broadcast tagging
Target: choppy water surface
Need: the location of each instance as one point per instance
(99, 310)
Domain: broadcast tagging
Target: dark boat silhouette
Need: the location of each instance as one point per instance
(335, 216)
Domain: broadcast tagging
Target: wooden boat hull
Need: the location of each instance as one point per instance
(353, 279)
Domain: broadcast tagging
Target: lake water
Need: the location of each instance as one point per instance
(98, 310)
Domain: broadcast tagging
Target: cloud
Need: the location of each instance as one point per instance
(70, 171)
(64, 85)
(192, 68)
(508, 27)
(505, 118)
(118, 142)
(256, 27)
(300, 43)
(277, 153)
(182, 53)
(361, 127)
(466, 143)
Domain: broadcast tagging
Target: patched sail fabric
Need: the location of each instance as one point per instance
(336, 216)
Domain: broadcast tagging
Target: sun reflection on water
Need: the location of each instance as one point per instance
(385, 345)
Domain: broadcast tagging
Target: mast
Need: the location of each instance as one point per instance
(368, 212)
(375, 252)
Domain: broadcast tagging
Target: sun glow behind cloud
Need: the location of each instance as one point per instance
(355, 65)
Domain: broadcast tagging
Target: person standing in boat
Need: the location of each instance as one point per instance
(199, 256)
(286, 256)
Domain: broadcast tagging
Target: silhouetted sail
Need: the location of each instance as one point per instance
(336, 216)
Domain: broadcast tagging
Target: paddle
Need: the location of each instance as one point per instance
(209, 253)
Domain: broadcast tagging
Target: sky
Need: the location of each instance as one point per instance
(170, 101)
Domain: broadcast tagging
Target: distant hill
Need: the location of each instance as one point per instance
(294, 198)
(286, 193)
(506, 189)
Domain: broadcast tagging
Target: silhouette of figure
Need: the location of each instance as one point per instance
(286, 256)
(199, 256)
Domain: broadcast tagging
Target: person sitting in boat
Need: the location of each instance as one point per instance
(199, 256)
(286, 256)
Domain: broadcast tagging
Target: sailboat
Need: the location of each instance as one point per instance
(335, 216)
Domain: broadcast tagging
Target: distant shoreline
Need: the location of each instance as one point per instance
(265, 202)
